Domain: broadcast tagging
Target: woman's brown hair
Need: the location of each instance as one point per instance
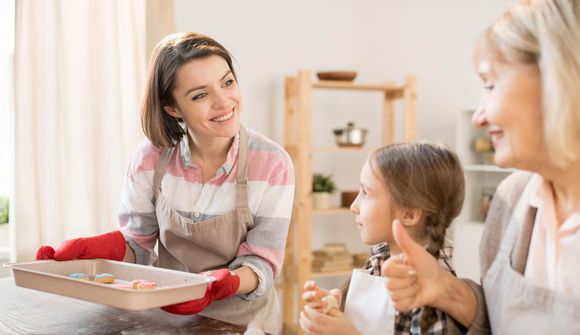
(427, 176)
(170, 54)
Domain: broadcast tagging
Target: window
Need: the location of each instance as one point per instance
(7, 26)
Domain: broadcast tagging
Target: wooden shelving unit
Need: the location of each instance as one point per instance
(298, 143)
(331, 211)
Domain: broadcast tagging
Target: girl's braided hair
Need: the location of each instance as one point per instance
(428, 176)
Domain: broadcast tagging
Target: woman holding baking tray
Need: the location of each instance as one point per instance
(213, 195)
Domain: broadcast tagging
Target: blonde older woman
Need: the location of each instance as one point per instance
(529, 61)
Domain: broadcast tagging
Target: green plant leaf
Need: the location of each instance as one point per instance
(4, 210)
(322, 183)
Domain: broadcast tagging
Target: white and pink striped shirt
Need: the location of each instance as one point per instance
(270, 198)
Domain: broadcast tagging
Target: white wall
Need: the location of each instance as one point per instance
(381, 39)
(434, 41)
(271, 40)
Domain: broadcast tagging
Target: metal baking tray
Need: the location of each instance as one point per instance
(53, 277)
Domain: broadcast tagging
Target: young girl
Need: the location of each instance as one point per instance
(420, 185)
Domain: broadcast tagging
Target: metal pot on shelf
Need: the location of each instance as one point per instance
(350, 136)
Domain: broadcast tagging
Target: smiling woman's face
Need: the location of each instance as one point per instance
(207, 97)
(511, 110)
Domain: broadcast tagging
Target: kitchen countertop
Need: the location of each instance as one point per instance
(26, 311)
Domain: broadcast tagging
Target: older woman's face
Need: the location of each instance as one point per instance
(511, 110)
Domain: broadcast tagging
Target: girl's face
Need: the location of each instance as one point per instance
(374, 209)
(207, 97)
(511, 110)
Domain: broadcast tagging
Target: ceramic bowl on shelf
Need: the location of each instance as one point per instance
(336, 75)
(347, 198)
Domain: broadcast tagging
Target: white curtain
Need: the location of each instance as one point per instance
(79, 78)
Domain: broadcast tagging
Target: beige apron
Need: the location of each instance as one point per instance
(514, 305)
(191, 246)
(368, 304)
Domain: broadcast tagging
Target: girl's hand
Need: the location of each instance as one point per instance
(335, 322)
(313, 295)
(414, 278)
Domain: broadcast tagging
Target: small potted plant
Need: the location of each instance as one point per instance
(322, 187)
(4, 219)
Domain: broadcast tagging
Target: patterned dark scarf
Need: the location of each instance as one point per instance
(379, 253)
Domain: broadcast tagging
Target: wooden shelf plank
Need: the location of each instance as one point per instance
(486, 168)
(332, 211)
(347, 85)
(344, 149)
(331, 273)
(476, 222)
(292, 329)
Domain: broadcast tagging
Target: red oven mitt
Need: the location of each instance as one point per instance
(226, 284)
(108, 246)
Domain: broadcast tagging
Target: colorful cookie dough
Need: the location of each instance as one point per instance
(331, 302)
(79, 276)
(142, 284)
(105, 278)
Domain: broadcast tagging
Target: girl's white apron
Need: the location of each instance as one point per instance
(368, 304)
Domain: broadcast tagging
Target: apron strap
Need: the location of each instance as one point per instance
(242, 175)
(160, 169)
(242, 178)
(516, 221)
(243, 211)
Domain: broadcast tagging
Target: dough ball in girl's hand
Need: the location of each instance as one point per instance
(331, 302)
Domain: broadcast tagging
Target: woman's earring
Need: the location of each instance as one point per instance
(182, 124)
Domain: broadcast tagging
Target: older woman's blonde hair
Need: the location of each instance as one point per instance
(546, 32)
